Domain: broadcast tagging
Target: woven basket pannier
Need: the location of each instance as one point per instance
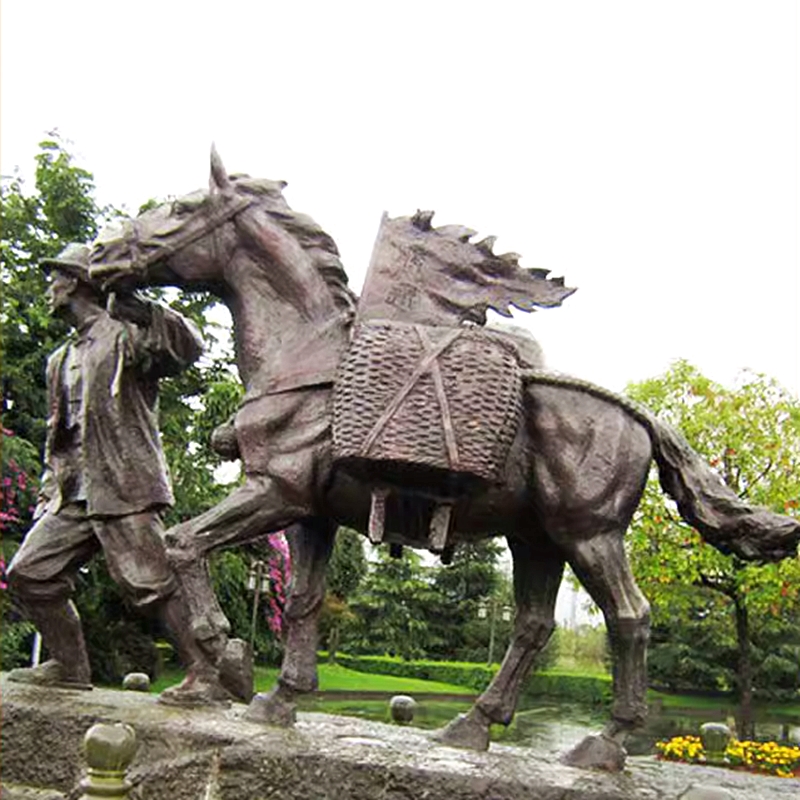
(431, 409)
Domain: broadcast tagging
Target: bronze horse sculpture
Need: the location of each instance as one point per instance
(573, 477)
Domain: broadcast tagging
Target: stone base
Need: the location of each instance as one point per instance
(185, 754)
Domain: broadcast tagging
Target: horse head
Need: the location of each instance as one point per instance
(277, 270)
(192, 241)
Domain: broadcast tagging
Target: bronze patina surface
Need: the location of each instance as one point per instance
(571, 478)
(105, 482)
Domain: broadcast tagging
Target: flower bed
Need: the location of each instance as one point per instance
(767, 757)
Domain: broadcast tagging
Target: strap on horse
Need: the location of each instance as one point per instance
(440, 520)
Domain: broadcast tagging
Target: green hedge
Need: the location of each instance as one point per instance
(474, 676)
(579, 688)
(589, 689)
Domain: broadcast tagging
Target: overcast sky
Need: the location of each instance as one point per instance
(647, 151)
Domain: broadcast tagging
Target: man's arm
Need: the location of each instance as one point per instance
(166, 341)
(48, 485)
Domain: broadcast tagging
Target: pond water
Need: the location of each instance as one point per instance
(550, 726)
(558, 726)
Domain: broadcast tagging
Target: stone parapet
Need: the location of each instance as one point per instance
(186, 754)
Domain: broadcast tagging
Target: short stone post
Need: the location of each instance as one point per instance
(715, 737)
(402, 708)
(109, 752)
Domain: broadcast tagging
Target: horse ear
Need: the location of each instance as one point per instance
(219, 177)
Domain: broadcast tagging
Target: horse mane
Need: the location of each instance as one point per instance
(318, 244)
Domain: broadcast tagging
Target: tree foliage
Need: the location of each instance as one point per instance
(460, 631)
(393, 608)
(36, 225)
(707, 606)
(406, 609)
(346, 571)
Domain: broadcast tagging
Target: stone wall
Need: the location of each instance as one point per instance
(187, 755)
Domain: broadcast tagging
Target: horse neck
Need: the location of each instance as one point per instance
(271, 321)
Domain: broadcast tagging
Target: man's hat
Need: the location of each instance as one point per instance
(73, 260)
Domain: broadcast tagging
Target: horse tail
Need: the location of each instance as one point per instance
(723, 519)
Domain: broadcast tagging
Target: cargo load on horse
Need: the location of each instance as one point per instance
(427, 402)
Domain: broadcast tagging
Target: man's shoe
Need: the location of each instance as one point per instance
(50, 673)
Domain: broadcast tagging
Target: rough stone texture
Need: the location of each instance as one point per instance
(706, 793)
(185, 753)
(597, 751)
(11, 792)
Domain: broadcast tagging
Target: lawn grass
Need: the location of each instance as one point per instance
(335, 678)
(693, 702)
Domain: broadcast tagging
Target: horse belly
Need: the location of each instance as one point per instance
(502, 508)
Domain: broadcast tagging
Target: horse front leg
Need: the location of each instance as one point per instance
(310, 545)
(538, 568)
(601, 565)
(253, 510)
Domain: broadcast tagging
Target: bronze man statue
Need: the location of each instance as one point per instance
(105, 481)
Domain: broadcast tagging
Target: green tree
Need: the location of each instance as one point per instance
(36, 225)
(394, 607)
(470, 582)
(751, 436)
(346, 572)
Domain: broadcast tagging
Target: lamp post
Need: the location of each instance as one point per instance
(257, 583)
(491, 611)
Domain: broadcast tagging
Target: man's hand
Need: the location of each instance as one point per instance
(128, 307)
(41, 507)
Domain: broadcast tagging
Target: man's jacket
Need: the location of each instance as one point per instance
(123, 470)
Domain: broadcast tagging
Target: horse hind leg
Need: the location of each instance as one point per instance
(602, 567)
(537, 576)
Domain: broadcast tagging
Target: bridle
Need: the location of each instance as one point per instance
(139, 261)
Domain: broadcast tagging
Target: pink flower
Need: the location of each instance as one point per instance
(279, 575)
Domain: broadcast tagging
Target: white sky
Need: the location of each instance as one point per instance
(647, 151)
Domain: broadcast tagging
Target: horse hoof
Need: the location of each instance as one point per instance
(464, 731)
(236, 670)
(271, 709)
(196, 692)
(597, 752)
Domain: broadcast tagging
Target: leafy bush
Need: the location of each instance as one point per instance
(579, 688)
(778, 674)
(15, 644)
(588, 689)
(474, 676)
